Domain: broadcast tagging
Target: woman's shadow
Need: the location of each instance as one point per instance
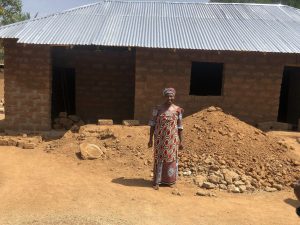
(132, 182)
(294, 203)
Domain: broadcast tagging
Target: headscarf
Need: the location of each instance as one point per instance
(168, 91)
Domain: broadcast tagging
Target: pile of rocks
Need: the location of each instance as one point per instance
(67, 122)
(20, 141)
(225, 153)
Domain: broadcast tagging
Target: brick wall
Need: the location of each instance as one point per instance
(27, 89)
(104, 81)
(251, 82)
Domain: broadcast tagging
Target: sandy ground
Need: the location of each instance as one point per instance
(39, 188)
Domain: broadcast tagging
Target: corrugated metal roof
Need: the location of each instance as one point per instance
(161, 24)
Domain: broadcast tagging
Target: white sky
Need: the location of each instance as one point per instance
(44, 7)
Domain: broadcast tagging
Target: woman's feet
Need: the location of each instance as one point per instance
(172, 185)
(156, 187)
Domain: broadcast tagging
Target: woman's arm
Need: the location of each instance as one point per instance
(152, 124)
(180, 128)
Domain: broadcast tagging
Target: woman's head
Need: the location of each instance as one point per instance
(169, 94)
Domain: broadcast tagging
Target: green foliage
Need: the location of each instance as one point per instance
(11, 12)
(294, 3)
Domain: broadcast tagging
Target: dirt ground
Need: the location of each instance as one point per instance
(53, 188)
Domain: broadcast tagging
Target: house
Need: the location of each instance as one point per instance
(112, 59)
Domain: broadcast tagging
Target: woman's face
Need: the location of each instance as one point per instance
(170, 99)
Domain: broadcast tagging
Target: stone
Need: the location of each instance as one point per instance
(214, 179)
(279, 187)
(233, 189)
(80, 123)
(239, 183)
(270, 189)
(66, 123)
(298, 139)
(243, 188)
(62, 115)
(187, 173)
(28, 145)
(230, 176)
(212, 109)
(74, 118)
(208, 185)
(90, 151)
(199, 180)
(176, 192)
(131, 122)
(205, 193)
(3, 142)
(105, 122)
(223, 186)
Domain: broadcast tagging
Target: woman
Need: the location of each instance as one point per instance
(166, 126)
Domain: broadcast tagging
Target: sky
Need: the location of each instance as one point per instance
(45, 7)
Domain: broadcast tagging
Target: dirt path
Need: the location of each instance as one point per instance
(40, 188)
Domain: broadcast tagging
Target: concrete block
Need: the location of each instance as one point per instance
(131, 122)
(105, 122)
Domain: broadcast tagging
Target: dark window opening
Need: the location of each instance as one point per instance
(206, 79)
(63, 91)
(289, 107)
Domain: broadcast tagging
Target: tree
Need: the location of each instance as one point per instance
(294, 3)
(11, 12)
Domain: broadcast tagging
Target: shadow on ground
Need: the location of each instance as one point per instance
(292, 202)
(132, 182)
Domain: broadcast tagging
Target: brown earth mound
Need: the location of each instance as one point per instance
(233, 155)
(221, 152)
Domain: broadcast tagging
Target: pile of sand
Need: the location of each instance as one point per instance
(217, 143)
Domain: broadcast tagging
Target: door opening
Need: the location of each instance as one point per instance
(63, 91)
(289, 106)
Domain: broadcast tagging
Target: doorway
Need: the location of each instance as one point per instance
(63, 91)
(289, 106)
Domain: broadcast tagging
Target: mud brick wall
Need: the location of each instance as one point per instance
(104, 81)
(27, 89)
(251, 82)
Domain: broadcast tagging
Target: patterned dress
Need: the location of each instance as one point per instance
(166, 143)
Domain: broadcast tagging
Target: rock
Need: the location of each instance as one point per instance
(90, 151)
(233, 189)
(131, 122)
(230, 176)
(105, 122)
(270, 189)
(212, 109)
(74, 118)
(298, 140)
(75, 128)
(208, 185)
(66, 123)
(214, 179)
(28, 145)
(279, 187)
(187, 173)
(214, 168)
(176, 192)
(243, 188)
(62, 115)
(204, 193)
(199, 180)
(223, 186)
(80, 123)
(3, 142)
(239, 183)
